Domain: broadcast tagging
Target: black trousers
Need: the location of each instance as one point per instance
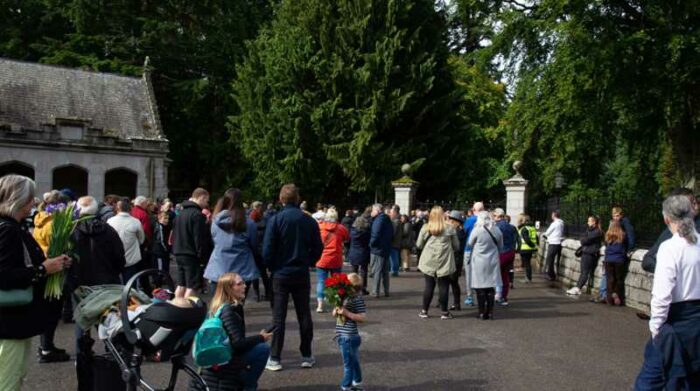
(362, 270)
(553, 250)
(588, 264)
(615, 273)
(454, 282)
(299, 289)
(443, 284)
(526, 258)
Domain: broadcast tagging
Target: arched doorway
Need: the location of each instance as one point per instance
(71, 177)
(122, 182)
(15, 167)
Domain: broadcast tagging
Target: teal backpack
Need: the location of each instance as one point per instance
(211, 343)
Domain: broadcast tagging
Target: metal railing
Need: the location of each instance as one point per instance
(644, 214)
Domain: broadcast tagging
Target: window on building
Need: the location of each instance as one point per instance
(18, 168)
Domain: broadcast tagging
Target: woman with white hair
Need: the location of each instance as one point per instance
(23, 271)
(486, 241)
(333, 236)
(672, 356)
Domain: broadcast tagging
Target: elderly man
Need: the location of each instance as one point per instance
(380, 239)
(131, 234)
(99, 250)
(140, 211)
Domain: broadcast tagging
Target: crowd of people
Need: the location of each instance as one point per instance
(231, 248)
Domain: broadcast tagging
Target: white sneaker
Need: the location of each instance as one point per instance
(497, 297)
(273, 365)
(573, 291)
(308, 362)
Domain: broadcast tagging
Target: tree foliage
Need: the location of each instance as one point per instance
(607, 92)
(337, 95)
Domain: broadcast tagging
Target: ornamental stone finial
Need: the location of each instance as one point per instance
(406, 169)
(517, 165)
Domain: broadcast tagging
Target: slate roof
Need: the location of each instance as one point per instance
(35, 95)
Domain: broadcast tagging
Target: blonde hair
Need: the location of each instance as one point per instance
(615, 234)
(224, 292)
(436, 221)
(331, 215)
(15, 192)
(356, 281)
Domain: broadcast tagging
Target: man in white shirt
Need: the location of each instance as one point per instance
(554, 235)
(132, 236)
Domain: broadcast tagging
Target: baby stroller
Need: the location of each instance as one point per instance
(157, 328)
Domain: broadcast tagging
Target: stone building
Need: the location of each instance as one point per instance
(94, 133)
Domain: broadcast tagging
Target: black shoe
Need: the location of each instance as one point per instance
(365, 292)
(55, 355)
(642, 316)
(455, 307)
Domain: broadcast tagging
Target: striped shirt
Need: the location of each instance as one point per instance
(356, 305)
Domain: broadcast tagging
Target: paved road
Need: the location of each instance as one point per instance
(543, 341)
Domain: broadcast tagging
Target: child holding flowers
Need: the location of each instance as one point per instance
(351, 311)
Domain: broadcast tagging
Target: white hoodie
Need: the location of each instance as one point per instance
(131, 233)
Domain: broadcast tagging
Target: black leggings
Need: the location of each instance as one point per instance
(443, 286)
(362, 270)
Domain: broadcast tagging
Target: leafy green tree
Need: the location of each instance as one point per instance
(604, 88)
(337, 95)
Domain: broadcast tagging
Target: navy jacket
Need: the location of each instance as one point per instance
(359, 246)
(510, 236)
(616, 252)
(292, 243)
(649, 260)
(382, 235)
(629, 232)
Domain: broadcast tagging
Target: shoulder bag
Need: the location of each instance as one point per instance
(18, 297)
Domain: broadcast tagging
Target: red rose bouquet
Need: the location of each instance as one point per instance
(338, 288)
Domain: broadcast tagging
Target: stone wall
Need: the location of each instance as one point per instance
(637, 283)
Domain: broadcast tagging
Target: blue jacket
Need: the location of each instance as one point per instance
(510, 236)
(233, 251)
(292, 243)
(468, 227)
(359, 246)
(616, 252)
(382, 235)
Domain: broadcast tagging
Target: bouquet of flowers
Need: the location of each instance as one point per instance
(64, 219)
(338, 289)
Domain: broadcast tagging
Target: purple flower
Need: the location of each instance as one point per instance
(50, 209)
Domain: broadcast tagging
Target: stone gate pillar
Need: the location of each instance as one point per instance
(516, 193)
(405, 191)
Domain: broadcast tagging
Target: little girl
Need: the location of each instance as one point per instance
(348, 337)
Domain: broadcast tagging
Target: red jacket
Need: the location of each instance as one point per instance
(141, 214)
(333, 235)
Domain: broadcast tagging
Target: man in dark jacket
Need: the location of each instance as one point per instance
(190, 239)
(106, 210)
(395, 216)
(380, 249)
(100, 253)
(292, 245)
(99, 249)
(649, 260)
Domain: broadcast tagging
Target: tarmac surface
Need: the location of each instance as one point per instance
(544, 340)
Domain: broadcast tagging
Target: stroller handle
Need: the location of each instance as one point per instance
(124, 303)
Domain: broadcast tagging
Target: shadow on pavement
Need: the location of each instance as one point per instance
(447, 385)
(375, 356)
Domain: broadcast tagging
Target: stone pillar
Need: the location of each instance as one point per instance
(405, 191)
(516, 193)
(96, 182)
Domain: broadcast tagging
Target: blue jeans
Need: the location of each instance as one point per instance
(603, 286)
(651, 376)
(321, 275)
(349, 348)
(395, 260)
(256, 358)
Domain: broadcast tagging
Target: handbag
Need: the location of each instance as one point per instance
(18, 297)
(579, 251)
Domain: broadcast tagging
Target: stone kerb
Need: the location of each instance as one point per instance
(638, 282)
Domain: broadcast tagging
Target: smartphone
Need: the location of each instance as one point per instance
(271, 329)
